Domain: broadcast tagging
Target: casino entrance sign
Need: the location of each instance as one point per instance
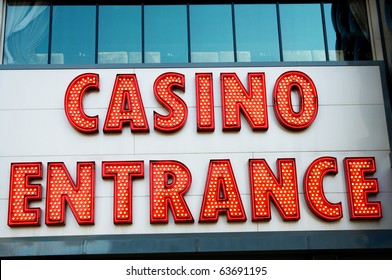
(275, 149)
(170, 180)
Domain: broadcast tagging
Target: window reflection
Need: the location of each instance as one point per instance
(256, 30)
(302, 32)
(73, 39)
(27, 34)
(334, 52)
(349, 19)
(166, 35)
(211, 33)
(120, 34)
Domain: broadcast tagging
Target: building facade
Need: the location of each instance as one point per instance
(196, 128)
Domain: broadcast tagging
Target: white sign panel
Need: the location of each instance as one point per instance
(193, 150)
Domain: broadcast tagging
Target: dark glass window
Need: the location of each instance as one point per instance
(26, 34)
(166, 34)
(256, 30)
(120, 34)
(73, 39)
(348, 30)
(211, 31)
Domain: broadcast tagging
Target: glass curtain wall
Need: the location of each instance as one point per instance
(73, 35)
(211, 33)
(119, 34)
(165, 34)
(26, 39)
(302, 39)
(40, 32)
(256, 30)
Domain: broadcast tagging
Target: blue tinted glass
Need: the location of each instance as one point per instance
(120, 34)
(73, 39)
(26, 35)
(211, 33)
(302, 32)
(256, 33)
(166, 38)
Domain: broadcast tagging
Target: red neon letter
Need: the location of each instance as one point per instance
(178, 111)
(122, 172)
(22, 192)
(61, 190)
(126, 106)
(205, 102)
(308, 106)
(73, 103)
(314, 192)
(235, 98)
(221, 194)
(283, 191)
(169, 182)
(359, 187)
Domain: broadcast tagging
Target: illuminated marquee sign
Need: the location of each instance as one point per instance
(126, 105)
(180, 156)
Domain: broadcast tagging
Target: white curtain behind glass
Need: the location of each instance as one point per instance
(25, 28)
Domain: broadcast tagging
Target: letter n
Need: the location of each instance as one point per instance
(61, 190)
(281, 190)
